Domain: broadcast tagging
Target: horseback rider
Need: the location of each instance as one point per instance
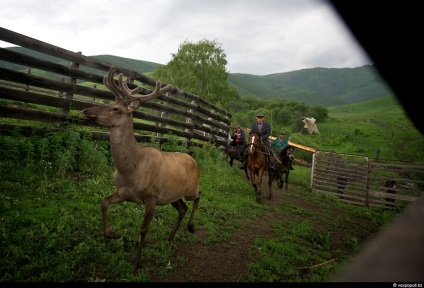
(263, 129)
(280, 143)
(238, 137)
(238, 140)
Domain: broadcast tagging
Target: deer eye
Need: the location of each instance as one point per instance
(114, 109)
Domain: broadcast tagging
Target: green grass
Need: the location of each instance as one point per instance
(374, 128)
(52, 187)
(51, 227)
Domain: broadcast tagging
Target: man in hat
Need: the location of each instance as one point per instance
(263, 129)
(280, 143)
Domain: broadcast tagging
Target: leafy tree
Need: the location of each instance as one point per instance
(283, 116)
(320, 113)
(200, 68)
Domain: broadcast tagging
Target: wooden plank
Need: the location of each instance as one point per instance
(303, 147)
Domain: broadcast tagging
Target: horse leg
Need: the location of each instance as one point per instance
(252, 179)
(247, 174)
(280, 181)
(258, 186)
(238, 153)
(270, 180)
(287, 181)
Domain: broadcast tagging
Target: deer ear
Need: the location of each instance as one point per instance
(133, 105)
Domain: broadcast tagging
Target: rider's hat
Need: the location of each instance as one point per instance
(282, 133)
(259, 115)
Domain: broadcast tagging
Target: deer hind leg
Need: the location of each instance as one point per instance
(113, 198)
(190, 224)
(182, 208)
(148, 216)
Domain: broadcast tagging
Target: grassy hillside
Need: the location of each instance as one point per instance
(316, 86)
(131, 64)
(365, 128)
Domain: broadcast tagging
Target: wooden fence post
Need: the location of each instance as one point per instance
(163, 114)
(190, 120)
(61, 92)
(94, 97)
(29, 73)
(71, 80)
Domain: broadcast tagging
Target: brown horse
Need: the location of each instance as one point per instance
(257, 163)
(236, 153)
(282, 164)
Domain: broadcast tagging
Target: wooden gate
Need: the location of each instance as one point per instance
(366, 181)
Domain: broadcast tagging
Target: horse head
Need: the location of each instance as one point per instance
(254, 141)
(286, 153)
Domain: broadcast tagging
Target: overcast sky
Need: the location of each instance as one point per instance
(259, 37)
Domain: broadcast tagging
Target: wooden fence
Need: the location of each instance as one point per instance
(53, 89)
(361, 180)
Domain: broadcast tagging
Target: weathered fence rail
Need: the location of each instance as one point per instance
(54, 86)
(363, 180)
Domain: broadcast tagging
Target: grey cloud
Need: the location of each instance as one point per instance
(258, 37)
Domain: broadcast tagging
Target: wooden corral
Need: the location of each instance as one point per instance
(55, 85)
(361, 180)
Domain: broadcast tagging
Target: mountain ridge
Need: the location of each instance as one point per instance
(314, 86)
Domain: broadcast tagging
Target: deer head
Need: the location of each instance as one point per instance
(114, 114)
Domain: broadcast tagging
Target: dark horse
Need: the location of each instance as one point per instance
(282, 165)
(257, 163)
(236, 153)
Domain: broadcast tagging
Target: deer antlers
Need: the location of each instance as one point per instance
(123, 92)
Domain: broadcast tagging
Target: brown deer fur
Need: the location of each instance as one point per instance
(144, 175)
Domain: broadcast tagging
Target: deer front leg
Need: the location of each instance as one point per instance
(113, 198)
(149, 210)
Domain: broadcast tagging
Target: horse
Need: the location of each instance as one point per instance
(257, 163)
(282, 165)
(236, 153)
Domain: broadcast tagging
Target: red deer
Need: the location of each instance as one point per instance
(144, 175)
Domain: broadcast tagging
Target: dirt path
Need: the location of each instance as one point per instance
(223, 262)
(228, 261)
